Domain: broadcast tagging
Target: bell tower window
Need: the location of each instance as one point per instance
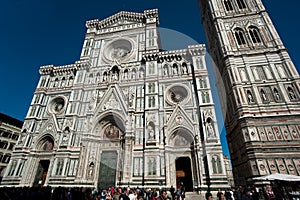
(254, 34)
(241, 4)
(239, 35)
(228, 5)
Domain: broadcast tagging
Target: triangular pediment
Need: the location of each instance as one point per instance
(112, 100)
(50, 126)
(179, 118)
(121, 18)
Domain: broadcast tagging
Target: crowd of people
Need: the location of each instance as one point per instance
(61, 193)
(127, 193)
(251, 193)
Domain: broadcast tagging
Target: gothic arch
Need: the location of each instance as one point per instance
(109, 117)
(45, 143)
(241, 4)
(180, 136)
(254, 34)
(239, 36)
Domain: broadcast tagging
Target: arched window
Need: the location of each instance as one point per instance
(219, 165)
(254, 34)
(90, 80)
(98, 77)
(241, 4)
(228, 5)
(55, 84)
(133, 75)
(184, 68)
(166, 70)
(151, 68)
(63, 81)
(239, 35)
(105, 76)
(71, 80)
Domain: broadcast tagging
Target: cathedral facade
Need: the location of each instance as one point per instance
(125, 114)
(261, 88)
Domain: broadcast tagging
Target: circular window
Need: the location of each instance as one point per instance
(178, 93)
(117, 50)
(56, 105)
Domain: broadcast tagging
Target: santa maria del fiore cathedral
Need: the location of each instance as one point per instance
(125, 114)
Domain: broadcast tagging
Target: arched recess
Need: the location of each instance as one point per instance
(185, 170)
(109, 118)
(110, 126)
(45, 143)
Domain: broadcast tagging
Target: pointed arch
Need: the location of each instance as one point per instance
(45, 143)
(228, 5)
(166, 70)
(241, 4)
(239, 36)
(254, 34)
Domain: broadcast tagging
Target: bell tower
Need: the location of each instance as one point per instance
(261, 85)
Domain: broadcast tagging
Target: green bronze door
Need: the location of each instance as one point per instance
(108, 169)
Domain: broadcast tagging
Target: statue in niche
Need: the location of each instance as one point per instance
(210, 130)
(276, 94)
(91, 169)
(291, 93)
(92, 103)
(115, 76)
(151, 133)
(131, 99)
(141, 73)
(166, 73)
(184, 69)
(66, 134)
(250, 97)
(22, 137)
(175, 70)
(104, 76)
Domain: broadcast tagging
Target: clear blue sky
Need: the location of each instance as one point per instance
(40, 32)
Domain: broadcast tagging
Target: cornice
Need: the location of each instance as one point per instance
(161, 56)
(64, 69)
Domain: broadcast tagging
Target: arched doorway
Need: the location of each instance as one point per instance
(112, 134)
(45, 147)
(184, 174)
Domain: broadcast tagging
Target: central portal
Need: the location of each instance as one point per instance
(108, 169)
(41, 173)
(184, 174)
